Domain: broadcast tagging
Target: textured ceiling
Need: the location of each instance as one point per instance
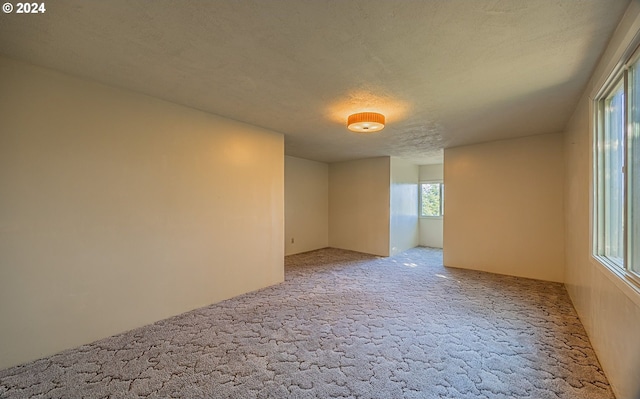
(445, 73)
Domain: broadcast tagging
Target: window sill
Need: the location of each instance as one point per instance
(619, 278)
(432, 217)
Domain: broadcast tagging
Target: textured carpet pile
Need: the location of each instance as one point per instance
(344, 325)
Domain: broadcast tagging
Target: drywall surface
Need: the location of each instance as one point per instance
(483, 69)
(433, 172)
(608, 306)
(431, 232)
(403, 232)
(504, 211)
(359, 205)
(117, 210)
(431, 228)
(306, 205)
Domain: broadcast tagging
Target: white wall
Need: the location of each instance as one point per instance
(504, 207)
(404, 233)
(431, 229)
(306, 204)
(359, 205)
(117, 210)
(433, 172)
(608, 307)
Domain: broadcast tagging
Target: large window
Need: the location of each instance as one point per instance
(431, 199)
(617, 172)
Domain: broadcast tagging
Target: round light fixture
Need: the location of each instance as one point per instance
(365, 122)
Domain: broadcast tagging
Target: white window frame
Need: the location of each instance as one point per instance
(618, 75)
(441, 192)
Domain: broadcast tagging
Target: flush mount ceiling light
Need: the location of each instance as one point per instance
(365, 122)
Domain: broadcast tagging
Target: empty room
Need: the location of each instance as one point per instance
(320, 199)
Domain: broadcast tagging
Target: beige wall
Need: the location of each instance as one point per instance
(306, 204)
(431, 229)
(608, 307)
(504, 211)
(359, 205)
(403, 225)
(117, 210)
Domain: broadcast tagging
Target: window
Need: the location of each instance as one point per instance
(617, 172)
(633, 174)
(431, 199)
(612, 179)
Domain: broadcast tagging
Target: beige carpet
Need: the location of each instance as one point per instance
(344, 325)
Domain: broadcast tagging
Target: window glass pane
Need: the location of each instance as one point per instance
(633, 171)
(613, 184)
(441, 199)
(430, 201)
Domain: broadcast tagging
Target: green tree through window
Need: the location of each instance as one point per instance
(431, 199)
